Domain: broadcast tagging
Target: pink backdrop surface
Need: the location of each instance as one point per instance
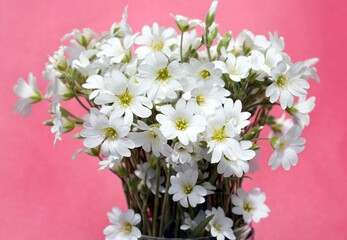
(46, 195)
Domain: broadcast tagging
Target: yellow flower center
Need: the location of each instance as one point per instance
(152, 134)
(219, 135)
(187, 189)
(200, 100)
(282, 81)
(125, 98)
(127, 228)
(163, 75)
(217, 227)
(205, 74)
(110, 133)
(181, 124)
(282, 146)
(248, 207)
(158, 46)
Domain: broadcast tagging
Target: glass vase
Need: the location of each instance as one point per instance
(245, 232)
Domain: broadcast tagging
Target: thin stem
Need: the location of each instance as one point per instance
(78, 100)
(181, 47)
(156, 201)
(207, 45)
(164, 206)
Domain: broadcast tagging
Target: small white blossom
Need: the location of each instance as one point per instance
(206, 97)
(239, 165)
(220, 137)
(182, 153)
(287, 83)
(28, 94)
(181, 122)
(282, 125)
(151, 140)
(148, 176)
(311, 72)
(189, 223)
(277, 42)
(116, 49)
(286, 149)
(80, 41)
(160, 77)
(220, 226)
(301, 110)
(123, 225)
(111, 133)
(185, 24)
(236, 67)
(126, 98)
(113, 161)
(234, 114)
(184, 188)
(155, 39)
(251, 206)
(122, 28)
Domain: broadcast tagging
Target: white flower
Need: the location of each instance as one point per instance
(198, 71)
(286, 148)
(122, 28)
(282, 125)
(263, 63)
(148, 176)
(189, 223)
(220, 136)
(155, 39)
(246, 42)
(239, 165)
(181, 122)
(250, 205)
(160, 77)
(277, 42)
(111, 133)
(80, 42)
(115, 49)
(287, 83)
(301, 110)
(235, 116)
(123, 225)
(182, 153)
(151, 140)
(236, 67)
(113, 161)
(311, 72)
(86, 65)
(61, 124)
(207, 97)
(184, 188)
(97, 83)
(28, 94)
(220, 226)
(127, 98)
(185, 24)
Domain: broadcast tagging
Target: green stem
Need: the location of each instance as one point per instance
(164, 206)
(181, 47)
(78, 100)
(207, 45)
(156, 201)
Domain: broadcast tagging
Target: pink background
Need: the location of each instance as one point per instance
(45, 195)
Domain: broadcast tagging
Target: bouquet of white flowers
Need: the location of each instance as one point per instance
(177, 116)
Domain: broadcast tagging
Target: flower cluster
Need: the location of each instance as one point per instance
(178, 117)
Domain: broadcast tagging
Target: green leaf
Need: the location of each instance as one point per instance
(199, 230)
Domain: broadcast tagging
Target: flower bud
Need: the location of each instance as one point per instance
(211, 14)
